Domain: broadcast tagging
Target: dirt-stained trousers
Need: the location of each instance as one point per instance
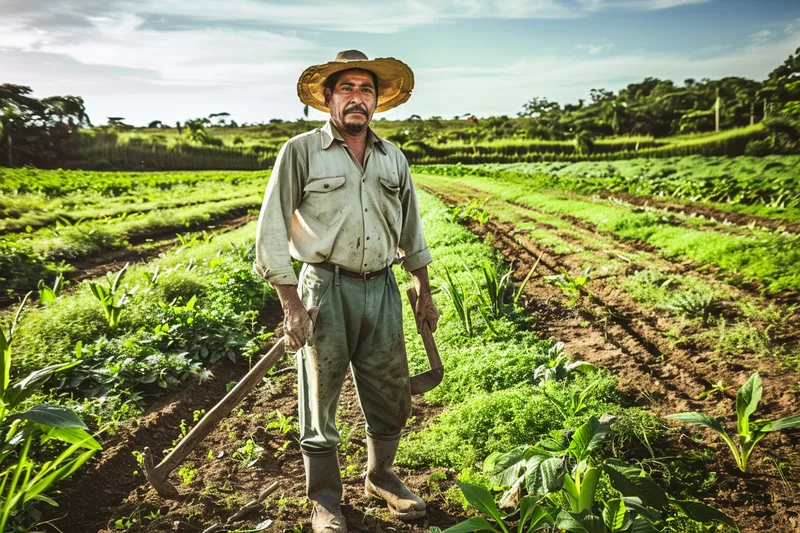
(359, 326)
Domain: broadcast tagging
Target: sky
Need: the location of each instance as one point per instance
(176, 59)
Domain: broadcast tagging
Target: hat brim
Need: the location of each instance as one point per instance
(395, 81)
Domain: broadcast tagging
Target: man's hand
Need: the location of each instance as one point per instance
(297, 325)
(426, 310)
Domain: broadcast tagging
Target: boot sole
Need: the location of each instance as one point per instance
(413, 515)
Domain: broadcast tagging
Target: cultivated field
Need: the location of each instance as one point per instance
(582, 303)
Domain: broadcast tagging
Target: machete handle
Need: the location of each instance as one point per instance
(427, 336)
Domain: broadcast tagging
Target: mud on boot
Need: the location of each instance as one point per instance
(324, 489)
(383, 484)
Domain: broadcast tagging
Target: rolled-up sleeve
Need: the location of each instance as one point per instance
(412, 241)
(284, 191)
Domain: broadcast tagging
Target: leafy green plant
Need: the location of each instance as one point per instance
(248, 453)
(561, 367)
(750, 433)
(692, 304)
(570, 285)
(48, 295)
(24, 479)
(576, 403)
(572, 468)
(532, 517)
(112, 305)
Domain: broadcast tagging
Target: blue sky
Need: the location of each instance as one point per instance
(178, 59)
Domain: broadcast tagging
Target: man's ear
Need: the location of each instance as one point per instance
(327, 97)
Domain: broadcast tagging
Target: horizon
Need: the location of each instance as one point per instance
(177, 60)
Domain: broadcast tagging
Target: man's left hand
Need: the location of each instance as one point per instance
(426, 311)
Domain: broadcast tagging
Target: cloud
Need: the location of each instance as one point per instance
(761, 36)
(636, 5)
(594, 49)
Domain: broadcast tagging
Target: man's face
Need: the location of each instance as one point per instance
(353, 101)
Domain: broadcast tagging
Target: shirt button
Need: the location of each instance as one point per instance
(365, 264)
(326, 185)
(367, 238)
(365, 209)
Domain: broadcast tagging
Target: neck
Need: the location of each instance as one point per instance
(350, 138)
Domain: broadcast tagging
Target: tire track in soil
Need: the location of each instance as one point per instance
(629, 347)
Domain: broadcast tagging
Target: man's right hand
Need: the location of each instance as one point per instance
(297, 325)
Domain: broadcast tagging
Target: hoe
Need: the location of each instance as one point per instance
(157, 474)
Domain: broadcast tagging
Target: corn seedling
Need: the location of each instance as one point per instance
(576, 403)
(460, 300)
(525, 281)
(750, 433)
(569, 285)
(48, 295)
(112, 306)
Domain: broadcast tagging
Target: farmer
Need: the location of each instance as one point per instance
(341, 201)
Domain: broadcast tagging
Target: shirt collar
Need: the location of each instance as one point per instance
(330, 133)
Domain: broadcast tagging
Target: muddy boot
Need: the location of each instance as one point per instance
(324, 489)
(383, 484)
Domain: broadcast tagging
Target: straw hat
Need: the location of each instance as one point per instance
(395, 79)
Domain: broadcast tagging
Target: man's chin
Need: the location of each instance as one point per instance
(356, 126)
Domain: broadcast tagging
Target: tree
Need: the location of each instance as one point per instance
(155, 124)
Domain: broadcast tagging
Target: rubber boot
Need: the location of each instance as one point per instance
(383, 484)
(324, 489)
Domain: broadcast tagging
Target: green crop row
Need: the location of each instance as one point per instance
(768, 258)
(770, 184)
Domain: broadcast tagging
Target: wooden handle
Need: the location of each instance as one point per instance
(427, 336)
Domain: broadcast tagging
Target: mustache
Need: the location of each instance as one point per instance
(356, 109)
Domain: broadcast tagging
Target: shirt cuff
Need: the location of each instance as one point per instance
(277, 276)
(417, 260)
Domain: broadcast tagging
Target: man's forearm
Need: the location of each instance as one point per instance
(421, 282)
(288, 296)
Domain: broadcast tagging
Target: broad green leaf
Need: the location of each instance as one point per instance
(703, 513)
(614, 515)
(504, 469)
(587, 438)
(699, 419)
(642, 525)
(584, 522)
(631, 481)
(30, 384)
(481, 499)
(74, 436)
(588, 489)
(547, 476)
(477, 523)
(789, 422)
(51, 415)
(636, 505)
(747, 399)
(532, 516)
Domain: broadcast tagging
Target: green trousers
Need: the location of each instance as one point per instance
(359, 326)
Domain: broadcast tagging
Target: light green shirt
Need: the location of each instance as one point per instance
(321, 204)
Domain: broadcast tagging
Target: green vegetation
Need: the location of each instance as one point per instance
(750, 433)
(767, 257)
(768, 186)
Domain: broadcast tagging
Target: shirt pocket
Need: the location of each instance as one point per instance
(390, 199)
(324, 199)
